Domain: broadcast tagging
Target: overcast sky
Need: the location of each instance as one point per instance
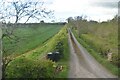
(95, 9)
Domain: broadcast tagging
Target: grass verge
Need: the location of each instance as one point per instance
(112, 68)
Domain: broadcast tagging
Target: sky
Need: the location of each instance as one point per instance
(98, 10)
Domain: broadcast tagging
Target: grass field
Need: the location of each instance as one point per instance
(29, 38)
(40, 66)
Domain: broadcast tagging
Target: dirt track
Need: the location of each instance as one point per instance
(82, 64)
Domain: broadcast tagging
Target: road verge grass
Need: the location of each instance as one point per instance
(112, 68)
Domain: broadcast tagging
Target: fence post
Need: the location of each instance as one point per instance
(1, 51)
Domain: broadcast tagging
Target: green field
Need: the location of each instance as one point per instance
(33, 64)
(98, 38)
(29, 38)
(29, 49)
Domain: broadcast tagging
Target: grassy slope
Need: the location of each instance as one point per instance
(65, 60)
(29, 38)
(40, 52)
(100, 38)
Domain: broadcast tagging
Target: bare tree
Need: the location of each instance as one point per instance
(24, 10)
(17, 11)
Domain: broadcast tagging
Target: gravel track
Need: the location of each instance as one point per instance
(82, 64)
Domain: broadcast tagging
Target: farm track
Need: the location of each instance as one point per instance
(82, 64)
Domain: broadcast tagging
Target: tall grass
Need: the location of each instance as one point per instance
(112, 68)
(98, 38)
